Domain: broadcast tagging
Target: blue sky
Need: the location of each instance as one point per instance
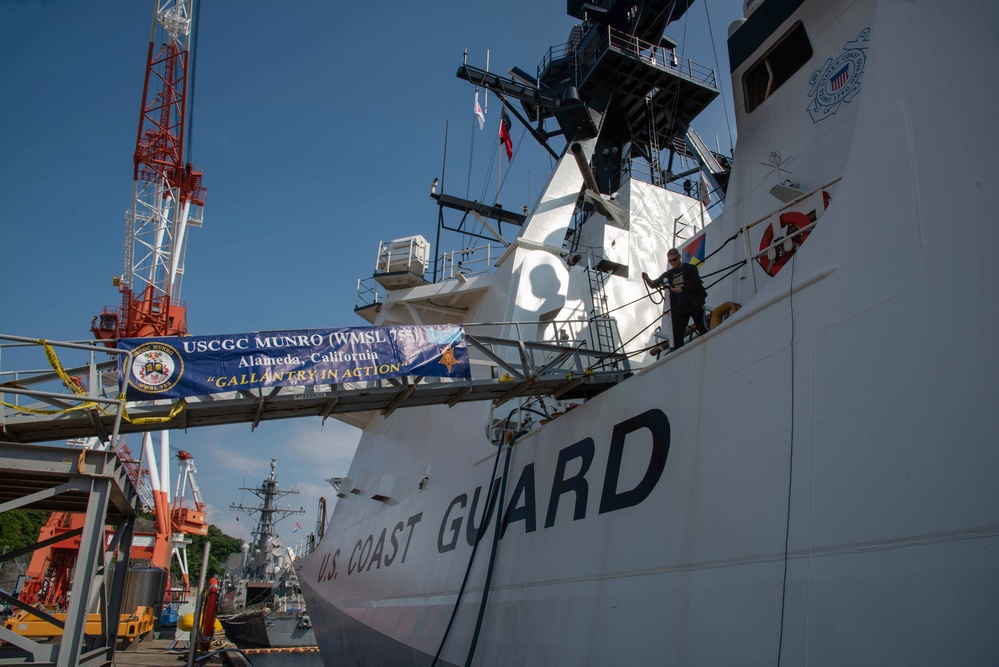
(319, 126)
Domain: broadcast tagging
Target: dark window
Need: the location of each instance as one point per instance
(776, 66)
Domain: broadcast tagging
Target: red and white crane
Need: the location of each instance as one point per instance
(167, 192)
(167, 201)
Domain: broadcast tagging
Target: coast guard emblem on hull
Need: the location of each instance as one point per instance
(156, 367)
(838, 80)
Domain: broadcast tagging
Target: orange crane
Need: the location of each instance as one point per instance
(167, 201)
(186, 518)
(48, 575)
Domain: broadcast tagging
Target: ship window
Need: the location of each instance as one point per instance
(776, 66)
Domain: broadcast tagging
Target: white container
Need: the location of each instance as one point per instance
(410, 254)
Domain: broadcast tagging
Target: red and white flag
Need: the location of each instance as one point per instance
(705, 190)
(504, 134)
(481, 117)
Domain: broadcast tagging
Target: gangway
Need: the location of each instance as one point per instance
(565, 369)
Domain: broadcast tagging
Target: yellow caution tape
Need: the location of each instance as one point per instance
(72, 385)
(175, 410)
(81, 406)
(57, 367)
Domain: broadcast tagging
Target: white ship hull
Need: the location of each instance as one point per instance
(813, 482)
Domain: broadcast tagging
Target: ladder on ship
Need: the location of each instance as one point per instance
(683, 231)
(603, 326)
(568, 370)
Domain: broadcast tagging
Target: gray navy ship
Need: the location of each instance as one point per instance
(263, 605)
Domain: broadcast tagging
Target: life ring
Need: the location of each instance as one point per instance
(778, 256)
(321, 525)
(208, 621)
(722, 313)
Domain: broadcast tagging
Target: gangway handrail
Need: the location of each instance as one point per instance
(41, 376)
(70, 401)
(561, 368)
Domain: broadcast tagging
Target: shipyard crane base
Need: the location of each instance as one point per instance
(89, 482)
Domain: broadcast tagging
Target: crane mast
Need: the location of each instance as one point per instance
(167, 191)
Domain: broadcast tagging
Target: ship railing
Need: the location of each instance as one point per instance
(582, 56)
(686, 184)
(368, 294)
(525, 349)
(455, 265)
(662, 57)
(469, 262)
(753, 256)
(75, 377)
(541, 347)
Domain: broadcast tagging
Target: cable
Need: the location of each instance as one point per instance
(492, 552)
(194, 69)
(496, 539)
(790, 474)
(721, 88)
(487, 512)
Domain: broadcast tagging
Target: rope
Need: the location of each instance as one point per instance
(714, 252)
(486, 513)
(492, 553)
(732, 268)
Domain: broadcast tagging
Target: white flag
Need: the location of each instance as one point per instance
(478, 112)
(705, 190)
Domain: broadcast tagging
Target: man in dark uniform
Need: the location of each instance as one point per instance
(686, 295)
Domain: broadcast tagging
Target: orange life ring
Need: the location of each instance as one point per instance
(209, 606)
(792, 221)
(722, 313)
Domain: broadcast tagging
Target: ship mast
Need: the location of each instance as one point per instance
(269, 513)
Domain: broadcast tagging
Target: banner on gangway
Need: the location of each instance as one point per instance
(182, 366)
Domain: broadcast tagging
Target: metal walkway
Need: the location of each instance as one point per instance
(48, 410)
